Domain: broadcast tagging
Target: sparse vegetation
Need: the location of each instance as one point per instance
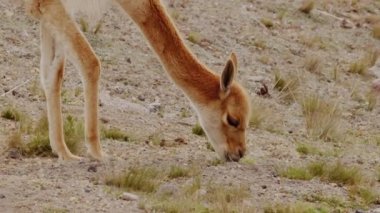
(194, 37)
(306, 149)
(145, 179)
(83, 25)
(298, 207)
(39, 144)
(312, 64)
(197, 130)
(115, 134)
(367, 194)
(359, 67)
(321, 117)
(298, 173)
(371, 100)
(307, 6)
(11, 113)
(177, 171)
(267, 22)
(248, 161)
(336, 173)
(259, 112)
(286, 85)
(376, 31)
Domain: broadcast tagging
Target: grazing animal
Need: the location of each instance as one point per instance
(222, 105)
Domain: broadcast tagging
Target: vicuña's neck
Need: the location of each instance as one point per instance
(198, 83)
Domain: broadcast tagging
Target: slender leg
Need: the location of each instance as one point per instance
(63, 30)
(52, 68)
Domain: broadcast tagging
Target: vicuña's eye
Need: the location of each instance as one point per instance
(232, 121)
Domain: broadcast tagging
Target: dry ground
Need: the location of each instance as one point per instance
(315, 50)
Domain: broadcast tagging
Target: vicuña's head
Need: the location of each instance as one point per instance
(225, 120)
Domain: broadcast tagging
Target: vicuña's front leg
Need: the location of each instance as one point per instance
(66, 33)
(52, 68)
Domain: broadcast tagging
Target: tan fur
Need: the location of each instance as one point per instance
(201, 85)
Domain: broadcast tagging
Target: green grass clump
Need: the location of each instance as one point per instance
(115, 134)
(316, 168)
(143, 179)
(11, 113)
(306, 149)
(342, 174)
(367, 195)
(298, 173)
(197, 130)
(177, 171)
(194, 37)
(336, 173)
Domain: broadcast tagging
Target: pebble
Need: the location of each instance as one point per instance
(154, 107)
(129, 196)
(2, 196)
(14, 154)
(92, 168)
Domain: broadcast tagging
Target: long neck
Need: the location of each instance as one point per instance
(198, 83)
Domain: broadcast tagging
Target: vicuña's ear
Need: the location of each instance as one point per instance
(228, 74)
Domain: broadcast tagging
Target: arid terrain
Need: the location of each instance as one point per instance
(314, 136)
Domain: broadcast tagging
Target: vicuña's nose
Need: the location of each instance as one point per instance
(236, 156)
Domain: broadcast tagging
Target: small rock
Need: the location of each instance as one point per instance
(141, 98)
(180, 140)
(347, 24)
(129, 60)
(14, 154)
(154, 107)
(2, 196)
(87, 189)
(129, 196)
(92, 168)
(264, 187)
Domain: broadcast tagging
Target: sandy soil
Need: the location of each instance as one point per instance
(134, 83)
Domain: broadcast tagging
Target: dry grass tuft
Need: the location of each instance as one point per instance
(115, 134)
(177, 171)
(312, 64)
(322, 117)
(268, 23)
(287, 85)
(194, 37)
(376, 31)
(335, 173)
(144, 179)
(11, 113)
(298, 207)
(259, 113)
(307, 6)
(39, 144)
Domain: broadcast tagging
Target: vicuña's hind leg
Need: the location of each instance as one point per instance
(52, 68)
(66, 33)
